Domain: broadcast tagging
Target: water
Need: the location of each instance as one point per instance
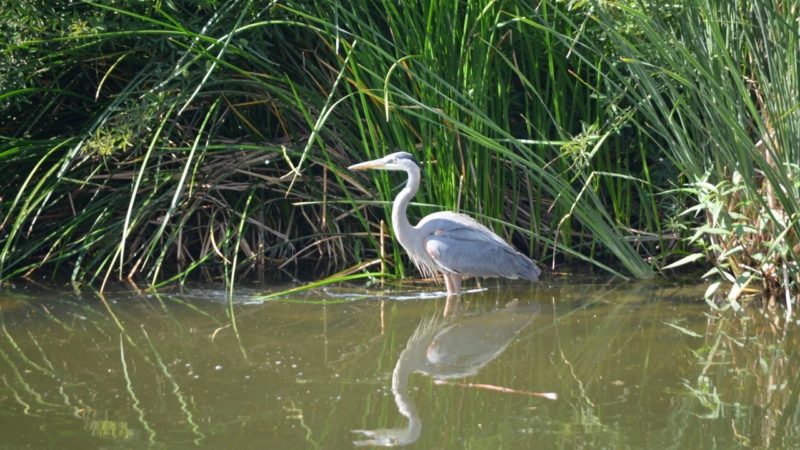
(634, 365)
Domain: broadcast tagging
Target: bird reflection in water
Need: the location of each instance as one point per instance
(454, 345)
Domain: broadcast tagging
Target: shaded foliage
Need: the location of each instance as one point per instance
(141, 135)
(154, 140)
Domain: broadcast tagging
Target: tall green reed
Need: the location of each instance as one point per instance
(457, 87)
(715, 86)
(152, 142)
(183, 118)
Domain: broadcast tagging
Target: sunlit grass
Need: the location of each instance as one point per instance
(715, 87)
(158, 143)
(134, 163)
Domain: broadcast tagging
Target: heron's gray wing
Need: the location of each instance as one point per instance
(467, 250)
(450, 221)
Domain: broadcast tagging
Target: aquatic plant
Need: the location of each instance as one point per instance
(152, 141)
(715, 86)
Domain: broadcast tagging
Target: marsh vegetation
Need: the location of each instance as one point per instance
(164, 140)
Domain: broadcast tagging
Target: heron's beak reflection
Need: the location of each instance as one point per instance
(374, 164)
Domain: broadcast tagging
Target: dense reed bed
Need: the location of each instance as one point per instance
(716, 88)
(154, 141)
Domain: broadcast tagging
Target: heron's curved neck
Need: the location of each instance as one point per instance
(400, 223)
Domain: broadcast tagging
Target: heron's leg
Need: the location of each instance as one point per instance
(455, 282)
(449, 283)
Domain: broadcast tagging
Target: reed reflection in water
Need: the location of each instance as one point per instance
(635, 365)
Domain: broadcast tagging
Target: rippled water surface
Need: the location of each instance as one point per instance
(633, 365)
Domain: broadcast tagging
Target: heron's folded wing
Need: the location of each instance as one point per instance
(466, 251)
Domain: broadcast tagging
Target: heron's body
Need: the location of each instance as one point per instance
(454, 244)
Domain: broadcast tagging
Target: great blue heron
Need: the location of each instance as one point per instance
(447, 242)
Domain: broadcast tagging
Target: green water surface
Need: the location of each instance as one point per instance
(633, 365)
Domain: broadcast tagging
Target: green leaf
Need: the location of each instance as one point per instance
(685, 260)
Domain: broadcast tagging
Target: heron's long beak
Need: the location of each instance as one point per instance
(374, 164)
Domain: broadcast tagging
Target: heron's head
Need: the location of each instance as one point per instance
(396, 161)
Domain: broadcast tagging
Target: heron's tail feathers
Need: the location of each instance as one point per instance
(527, 269)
